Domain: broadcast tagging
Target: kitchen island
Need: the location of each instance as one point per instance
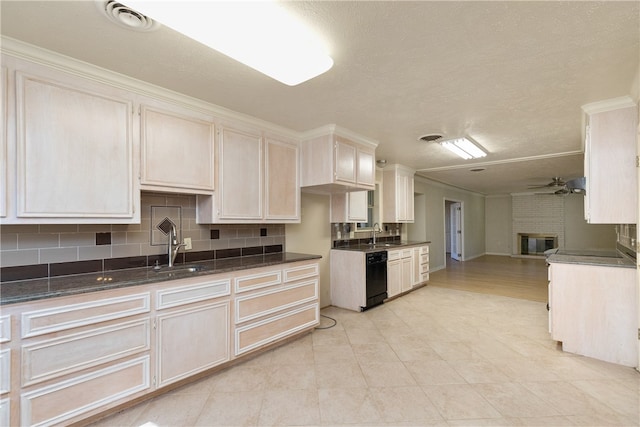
(593, 305)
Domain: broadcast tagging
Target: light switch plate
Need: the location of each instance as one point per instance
(187, 244)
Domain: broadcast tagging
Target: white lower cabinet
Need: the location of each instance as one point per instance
(75, 357)
(275, 304)
(406, 260)
(79, 355)
(191, 340)
(65, 400)
(394, 276)
(5, 370)
(192, 328)
(593, 311)
(420, 265)
(399, 271)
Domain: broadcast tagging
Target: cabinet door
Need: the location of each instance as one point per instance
(3, 142)
(401, 197)
(349, 207)
(345, 162)
(366, 167)
(417, 276)
(407, 270)
(610, 167)
(240, 176)
(409, 217)
(176, 151)
(282, 184)
(75, 153)
(192, 340)
(358, 206)
(394, 277)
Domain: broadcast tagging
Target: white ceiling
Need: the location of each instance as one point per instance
(512, 75)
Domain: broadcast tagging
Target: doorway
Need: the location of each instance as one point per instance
(453, 231)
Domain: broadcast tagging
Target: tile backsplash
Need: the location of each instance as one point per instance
(343, 234)
(45, 244)
(627, 235)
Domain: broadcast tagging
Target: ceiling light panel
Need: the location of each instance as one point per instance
(464, 148)
(260, 34)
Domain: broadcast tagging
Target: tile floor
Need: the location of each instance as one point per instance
(433, 357)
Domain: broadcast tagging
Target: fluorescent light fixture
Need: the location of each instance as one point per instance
(464, 148)
(260, 34)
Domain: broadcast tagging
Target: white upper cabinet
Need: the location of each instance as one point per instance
(176, 147)
(349, 207)
(257, 179)
(335, 160)
(366, 167)
(282, 183)
(3, 142)
(610, 162)
(74, 150)
(397, 184)
(240, 174)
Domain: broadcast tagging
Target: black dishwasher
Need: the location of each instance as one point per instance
(376, 264)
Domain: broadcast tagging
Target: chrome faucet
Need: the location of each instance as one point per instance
(374, 230)
(173, 246)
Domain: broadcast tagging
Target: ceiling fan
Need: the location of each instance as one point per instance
(555, 182)
(563, 191)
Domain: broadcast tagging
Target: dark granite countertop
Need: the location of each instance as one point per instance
(382, 246)
(31, 290)
(599, 258)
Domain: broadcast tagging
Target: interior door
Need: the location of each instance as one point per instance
(456, 231)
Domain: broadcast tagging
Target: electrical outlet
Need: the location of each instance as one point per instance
(187, 244)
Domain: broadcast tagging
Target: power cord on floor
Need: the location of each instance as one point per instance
(335, 322)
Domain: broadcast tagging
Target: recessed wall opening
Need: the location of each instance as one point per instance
(536, 243)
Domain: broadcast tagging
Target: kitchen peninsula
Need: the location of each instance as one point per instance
(593, 304)
(353, 274)
(76, 346)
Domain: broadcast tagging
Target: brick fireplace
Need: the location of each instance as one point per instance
(538, 223)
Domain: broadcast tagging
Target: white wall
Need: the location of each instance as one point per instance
(498, 228)
(313, 236)
(433, 221)
(579, 234)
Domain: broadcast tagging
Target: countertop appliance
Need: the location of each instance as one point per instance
(376, 278)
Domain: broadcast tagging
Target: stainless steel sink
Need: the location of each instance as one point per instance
(180, 269)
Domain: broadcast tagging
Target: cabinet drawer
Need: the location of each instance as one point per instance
(71, 398)
(5, 328)
(188, 294)
(266, 331)
(424, 277)
(424, 268)
(254, 306)
(406, 253)
(257, 281)
(40, 322)
(297, 273)
(393, 255)
(5, 372)
(424, 258)
(60, 356)
(5, 413)
(424, 250)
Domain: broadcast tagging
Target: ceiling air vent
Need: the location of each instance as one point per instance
(432, 137)
(126, 17)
